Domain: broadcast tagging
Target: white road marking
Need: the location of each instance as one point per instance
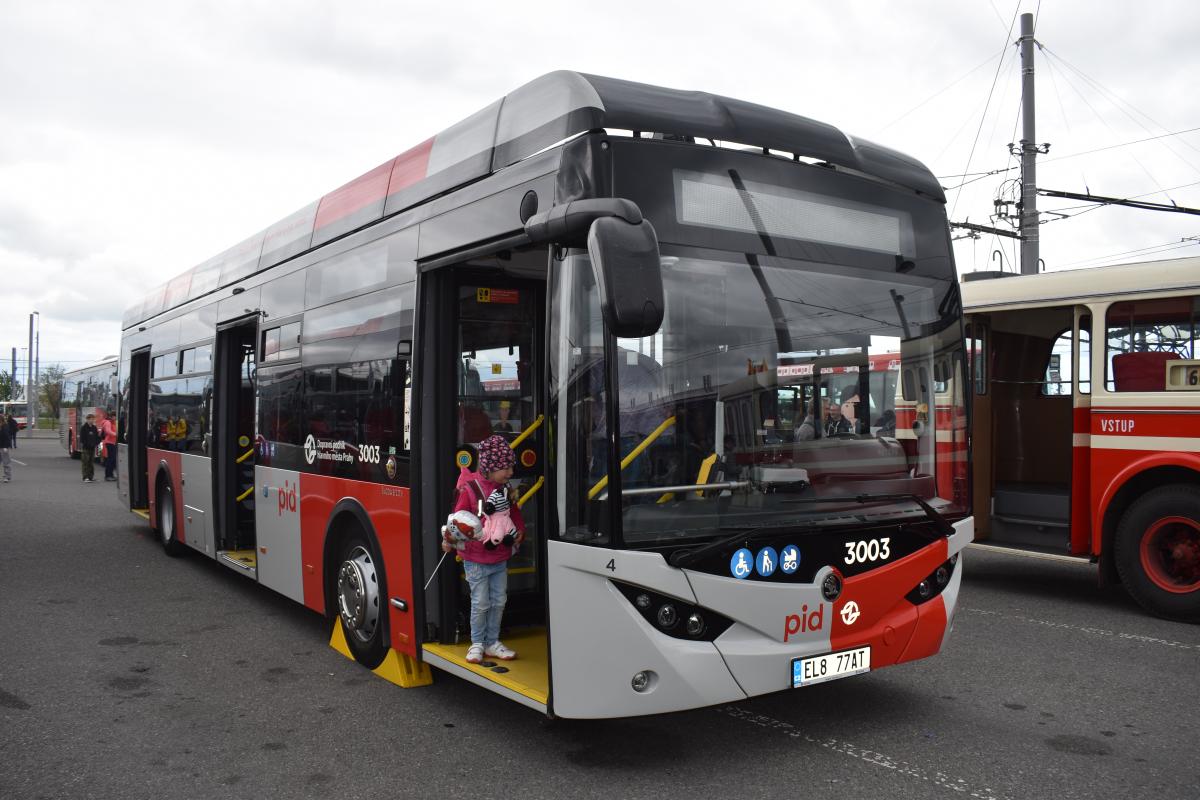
(1132, 637)
(957, 785)
(22, 463)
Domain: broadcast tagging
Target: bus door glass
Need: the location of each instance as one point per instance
(497, 392)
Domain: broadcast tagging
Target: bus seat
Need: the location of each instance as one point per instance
(1141, 372)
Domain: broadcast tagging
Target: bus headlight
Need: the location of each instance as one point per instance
(666, 613)
(933, 584)
(667, 616)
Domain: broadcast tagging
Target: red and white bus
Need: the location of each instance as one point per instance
(1086, 426)
(586, 266)
(19, 411)
(88, 390)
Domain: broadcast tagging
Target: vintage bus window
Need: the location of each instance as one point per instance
(1057, 377)
(1143, 335)
(1085, 355)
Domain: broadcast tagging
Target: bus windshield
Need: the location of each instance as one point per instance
(774, 380)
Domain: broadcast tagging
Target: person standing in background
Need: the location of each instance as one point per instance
(109, 431)
(5, 458)
(11, 424)
(89, 440)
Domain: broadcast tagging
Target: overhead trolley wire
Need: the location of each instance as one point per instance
(941, 91)
(1121, 104)
(983, 117)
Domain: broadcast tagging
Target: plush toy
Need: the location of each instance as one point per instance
(498, 528)
(462, 527)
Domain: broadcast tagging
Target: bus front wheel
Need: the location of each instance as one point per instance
(1158, 551)
(360, 601)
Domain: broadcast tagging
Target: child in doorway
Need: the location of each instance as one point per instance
(485, 560)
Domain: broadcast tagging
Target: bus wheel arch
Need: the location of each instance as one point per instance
(1157, 550)
(166, 522)
(355, 583)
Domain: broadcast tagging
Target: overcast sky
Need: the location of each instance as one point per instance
(139, 138)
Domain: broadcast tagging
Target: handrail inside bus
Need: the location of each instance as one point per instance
(701, 479)
(634, 453)
(525, 434)
(541, 481)
(244, 456)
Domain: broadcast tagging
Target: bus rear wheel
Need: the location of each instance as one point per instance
(1158, 551)
(167, 520)
(360, 601)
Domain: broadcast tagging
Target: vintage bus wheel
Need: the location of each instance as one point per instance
(166, 519)
(360, 600)
(1158, 551)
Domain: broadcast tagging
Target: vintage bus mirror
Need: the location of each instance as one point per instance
(629, 275)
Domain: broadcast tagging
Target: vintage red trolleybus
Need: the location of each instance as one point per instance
(593, 269)
(1086, 426)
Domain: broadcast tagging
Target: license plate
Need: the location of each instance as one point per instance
(818, 669)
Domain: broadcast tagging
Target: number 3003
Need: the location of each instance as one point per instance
(869, 550)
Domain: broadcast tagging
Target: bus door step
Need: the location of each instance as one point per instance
(244, 561)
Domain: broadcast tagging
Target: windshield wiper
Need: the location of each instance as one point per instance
(681, 558)
(942, 524)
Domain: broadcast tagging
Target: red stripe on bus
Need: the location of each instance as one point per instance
(410, 167)
(930, 630)
(886, 620)
(355, 195)
(388, 508)
(155, 459)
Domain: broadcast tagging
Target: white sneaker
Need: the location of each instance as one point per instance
(475, 654)
(498, 650)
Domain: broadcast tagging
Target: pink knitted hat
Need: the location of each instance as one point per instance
(494, 454)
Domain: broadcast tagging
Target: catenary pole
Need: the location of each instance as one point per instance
(1029, 151)
(29, 373)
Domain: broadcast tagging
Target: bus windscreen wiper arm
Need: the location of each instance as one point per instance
(941, 523)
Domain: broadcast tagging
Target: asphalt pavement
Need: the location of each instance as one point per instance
(128, 674)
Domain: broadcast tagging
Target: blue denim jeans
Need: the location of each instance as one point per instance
(489, 592)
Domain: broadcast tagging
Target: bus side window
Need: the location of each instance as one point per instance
(1142, 335)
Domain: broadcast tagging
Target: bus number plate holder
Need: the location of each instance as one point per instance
(831, 666)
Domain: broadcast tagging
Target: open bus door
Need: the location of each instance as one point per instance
(233, 444)
(488, 356)
(136, 431)
(978, 351)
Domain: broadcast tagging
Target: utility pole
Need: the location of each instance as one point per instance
(29, 388)
(37, 368)
(1028, 152)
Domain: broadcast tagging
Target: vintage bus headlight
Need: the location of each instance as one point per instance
(666, 613)
(933, 583)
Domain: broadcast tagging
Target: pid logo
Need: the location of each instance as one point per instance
(288, 498)
(804, 622)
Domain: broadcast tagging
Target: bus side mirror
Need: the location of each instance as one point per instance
(629, 275)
